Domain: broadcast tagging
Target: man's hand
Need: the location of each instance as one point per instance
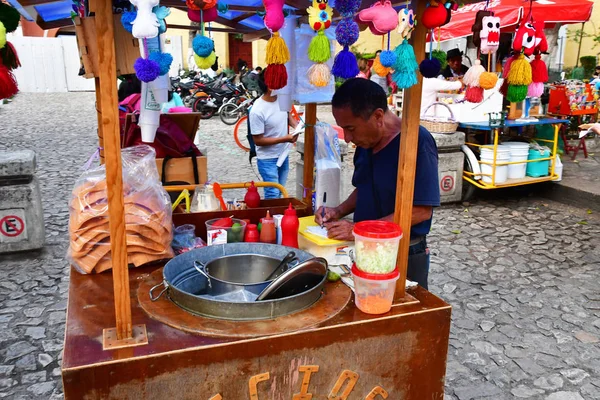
(340, 230)
(291, 138)
(331, 214)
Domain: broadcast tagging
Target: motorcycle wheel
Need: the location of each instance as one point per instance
(205, 111)
(230, 114)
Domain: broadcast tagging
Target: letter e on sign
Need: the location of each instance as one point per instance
(12, 226)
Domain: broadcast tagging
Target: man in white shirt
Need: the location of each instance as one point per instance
(269, 129)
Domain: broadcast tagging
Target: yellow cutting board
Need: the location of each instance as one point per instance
(305, 222)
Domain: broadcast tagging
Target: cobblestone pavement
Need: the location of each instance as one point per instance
(522, 275)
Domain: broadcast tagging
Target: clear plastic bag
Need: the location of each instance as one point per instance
(328, 163)
(148, 215)
(184, 239)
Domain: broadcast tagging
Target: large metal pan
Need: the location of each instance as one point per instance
(187, 287)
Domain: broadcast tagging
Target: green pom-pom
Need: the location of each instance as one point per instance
(319, 50)
(516, 93)
(441, 56)
(205, 62)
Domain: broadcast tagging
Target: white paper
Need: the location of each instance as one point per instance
(317, 231)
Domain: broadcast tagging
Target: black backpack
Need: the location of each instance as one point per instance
(252, 153)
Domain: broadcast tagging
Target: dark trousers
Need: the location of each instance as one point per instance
(418, 263)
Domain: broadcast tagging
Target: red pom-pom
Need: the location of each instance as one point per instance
(474, 94)
(276, 76)
(9, 57)
(504, 88)
(8, 83)
(539, 71)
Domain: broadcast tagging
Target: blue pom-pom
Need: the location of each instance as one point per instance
(203, 46)
(127, 19)
(346, 32)
(163, 60)
(430, 68)
(387, 58)
(347, 7)
(405, 68)
(146, 70)
(345, 65)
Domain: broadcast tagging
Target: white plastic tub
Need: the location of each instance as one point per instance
(519, 151)
(502, 155)
(374, 293)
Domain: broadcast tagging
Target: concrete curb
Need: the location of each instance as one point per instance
(570, 196)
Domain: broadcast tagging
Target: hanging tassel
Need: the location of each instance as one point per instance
(516, 93)
(205, 62)
(164, 61)
(146, 70)
(539, 71)
(405, 69)
(473, 74)
(319, 50)
(387, 58)
(520, 72)
(536, 89)
(345, 65)
(488, 80)
(379, 69)
(277, 50)
(319, 75)
(9, 57)
(276, 76)
(441, 57)
(430, 67)
(2, 35)
(474, 94)
(8, 83)
(504, 88)
(203, 46)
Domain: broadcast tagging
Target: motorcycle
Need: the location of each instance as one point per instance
(209, 98)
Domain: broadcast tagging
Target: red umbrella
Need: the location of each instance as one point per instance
(512, 11)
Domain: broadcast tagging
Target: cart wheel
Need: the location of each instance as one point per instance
(468, 189)
(240, 133)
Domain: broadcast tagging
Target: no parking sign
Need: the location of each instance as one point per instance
(12, 226)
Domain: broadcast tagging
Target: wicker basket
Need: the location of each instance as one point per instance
(439, 124)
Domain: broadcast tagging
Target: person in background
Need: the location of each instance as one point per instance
(596, 73)
(269, 129)
(363, 67)
(128, 86)
(382, 81)
(431, 87)
(455, 68)
(360, 108)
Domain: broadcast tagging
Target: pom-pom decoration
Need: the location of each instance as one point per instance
(319, 75)
(441, 56)
(127, 19)
(345, 65)
(473, 74)
(405, 69)
(539, 71)
(211, 14)
(191, 5)
(378, 68)
(347, 32)
(530, 38)
(381, 17)
(203, 46)
(276, 76)
(164, 61)
(520, 72)
(347, 7)
(474, 94)
(504, 88)
(435, 16)
(274, 17)
(516, 93)
(194, 15)
(387, 58)
(8, 83)
(9, 57)
(145, 25)
(146, 70)
(9, 17)
(205, 62)
(430, 67)
(2, 35)
(319, 50)
(536, 89)
(488, 80)
(277, 50)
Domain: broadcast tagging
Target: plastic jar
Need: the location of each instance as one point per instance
(376, 248)
(374, 293)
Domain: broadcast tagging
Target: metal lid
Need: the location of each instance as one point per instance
(296, 280)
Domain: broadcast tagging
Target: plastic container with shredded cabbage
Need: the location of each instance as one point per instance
(376, 246)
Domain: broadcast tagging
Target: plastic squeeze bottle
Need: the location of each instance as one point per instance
(268, 233)
(252, 235)
(289, 227)
(252, 198)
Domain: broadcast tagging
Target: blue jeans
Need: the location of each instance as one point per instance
(418, 263)
(270, 172)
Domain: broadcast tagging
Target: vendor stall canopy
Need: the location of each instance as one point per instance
(511, 12)
(245, 16)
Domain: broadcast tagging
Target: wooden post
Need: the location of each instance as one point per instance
(99, 117)
(109, 125)
(409, 139)
(310, 118)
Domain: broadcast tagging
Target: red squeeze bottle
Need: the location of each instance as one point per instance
(289, 227)
(252, 198)
(252, 235)
(268, 233)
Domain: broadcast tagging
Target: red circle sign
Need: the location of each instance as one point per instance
(11, 226)
(447, 183)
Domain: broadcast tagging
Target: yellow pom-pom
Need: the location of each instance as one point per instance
(319, 75)
(520, 72)
(205, 62)
(2, 35)
(379, 69)
(277, 50)
(488, 80)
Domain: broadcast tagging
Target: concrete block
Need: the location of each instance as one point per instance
(446, 142)
(16, 164)
(450, 171)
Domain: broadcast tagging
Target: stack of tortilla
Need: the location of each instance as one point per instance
(147, 218)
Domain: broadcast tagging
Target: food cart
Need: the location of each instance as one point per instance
(144, 349)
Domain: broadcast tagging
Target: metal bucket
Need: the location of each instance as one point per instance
(187, 287)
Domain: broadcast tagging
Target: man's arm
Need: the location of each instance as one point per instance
(419, 214)
(337, 213)
(292, 121)
(348, 206)
(261, 140)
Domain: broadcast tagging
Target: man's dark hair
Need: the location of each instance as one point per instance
(258, 69)
(130, 85)
(361, 95)
(261, 81)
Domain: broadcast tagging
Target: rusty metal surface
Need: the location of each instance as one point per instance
(403, 352)
(335, 299)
